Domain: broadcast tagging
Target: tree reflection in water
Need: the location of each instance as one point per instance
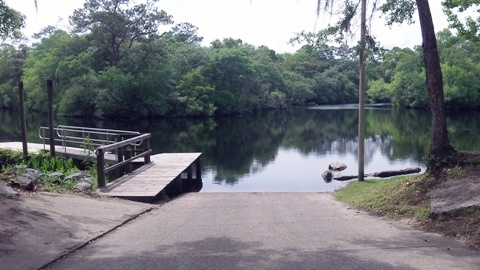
(284, 150)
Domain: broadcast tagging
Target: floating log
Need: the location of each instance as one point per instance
(395, 173)
(346, 177)
(382, 174)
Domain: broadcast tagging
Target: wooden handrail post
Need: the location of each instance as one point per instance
(100, 167)
(128, 154)
(147, 147)
(120, 155)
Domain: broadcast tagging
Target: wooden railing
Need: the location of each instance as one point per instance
(84, 137)
(127, 146)
(127, 151)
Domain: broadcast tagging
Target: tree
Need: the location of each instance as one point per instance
(470, 29)
(11, 62)
(11, 22)
(116, 24)
(440, 148)
(398, 11)
(186, 32)
(55, 58)
(461, 69)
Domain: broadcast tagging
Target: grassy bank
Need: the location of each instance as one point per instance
(406, 198)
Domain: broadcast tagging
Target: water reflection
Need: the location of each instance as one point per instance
(284, 150)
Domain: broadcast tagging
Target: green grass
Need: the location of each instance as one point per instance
(399, 197)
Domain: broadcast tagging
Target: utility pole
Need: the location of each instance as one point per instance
(361, 94)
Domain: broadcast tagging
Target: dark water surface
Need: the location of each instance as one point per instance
(284, 150)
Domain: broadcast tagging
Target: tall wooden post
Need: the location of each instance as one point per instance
(23, 124)
(50, 117)
(361, 95)
(100, 167)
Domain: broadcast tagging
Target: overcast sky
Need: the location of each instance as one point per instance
(258, 22)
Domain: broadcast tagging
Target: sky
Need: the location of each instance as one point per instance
(258, 22)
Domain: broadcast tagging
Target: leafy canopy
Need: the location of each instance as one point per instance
(11, 22)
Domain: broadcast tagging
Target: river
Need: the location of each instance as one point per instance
(286, 150)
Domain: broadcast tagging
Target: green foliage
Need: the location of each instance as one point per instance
(128, 70)
(116, 24)
(117, 90)
(379, 91)
(78, 100)
(48, 61)
(470, 27)
(45, 163)
(461, 87)
(11, 62)
(9, 158)
(398, 11)
(11, 22)
(195, 96)
(186, 33)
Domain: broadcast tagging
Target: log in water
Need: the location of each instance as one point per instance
(382, 174)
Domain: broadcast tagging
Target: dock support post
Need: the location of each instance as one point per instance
(50, 117)
(189, 173)
(198, 169)
(100, 168)
(23, 124)
(177, 184)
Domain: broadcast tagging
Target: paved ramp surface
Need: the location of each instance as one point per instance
(267, 231)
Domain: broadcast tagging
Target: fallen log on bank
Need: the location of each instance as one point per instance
(382, 174)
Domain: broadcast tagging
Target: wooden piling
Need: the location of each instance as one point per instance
(198, 169)
(100, 167)
(50, 117)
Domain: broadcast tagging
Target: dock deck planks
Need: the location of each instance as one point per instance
(150, 179)
(75, 153)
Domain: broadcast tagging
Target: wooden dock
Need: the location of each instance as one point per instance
(148, 181)
(151, 179)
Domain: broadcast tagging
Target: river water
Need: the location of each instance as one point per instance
(287, 150)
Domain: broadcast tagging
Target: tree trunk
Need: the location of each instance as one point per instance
(440, 148)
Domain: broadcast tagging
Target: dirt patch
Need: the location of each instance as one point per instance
(455, 201)
(457, 193)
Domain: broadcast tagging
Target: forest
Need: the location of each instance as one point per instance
(115, 63)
